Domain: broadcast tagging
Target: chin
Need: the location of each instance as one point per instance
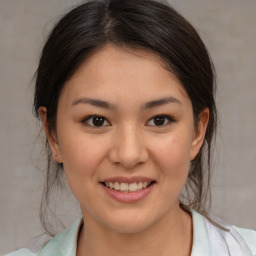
(130, 224)
(129, 228)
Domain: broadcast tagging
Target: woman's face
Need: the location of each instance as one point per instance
(125, 135)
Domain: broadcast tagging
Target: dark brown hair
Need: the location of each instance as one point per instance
(146, 24)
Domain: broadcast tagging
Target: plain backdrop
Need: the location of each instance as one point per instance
(227, 28)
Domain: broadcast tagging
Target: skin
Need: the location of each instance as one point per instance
(128, 144)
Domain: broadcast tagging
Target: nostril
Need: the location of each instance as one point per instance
(128, 152)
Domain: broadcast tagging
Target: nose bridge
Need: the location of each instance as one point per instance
(129, 148)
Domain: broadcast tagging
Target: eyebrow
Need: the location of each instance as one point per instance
(107, 105)
(94, 102)
(160, 102)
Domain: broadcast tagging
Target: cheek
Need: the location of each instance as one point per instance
(173, 160)
(81, 155)
(172, 155)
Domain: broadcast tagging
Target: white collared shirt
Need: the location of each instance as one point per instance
(208, 240)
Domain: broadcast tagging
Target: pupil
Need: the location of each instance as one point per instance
(159, 120)
(98, 121)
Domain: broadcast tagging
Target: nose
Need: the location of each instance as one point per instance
(128, 148)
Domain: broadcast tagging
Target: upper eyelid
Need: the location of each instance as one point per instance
(91, 116)
(155, 116)
(164, 115)
(170, 118)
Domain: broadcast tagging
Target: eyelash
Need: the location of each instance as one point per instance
(167, 117)
(86, 119)
(90, 117)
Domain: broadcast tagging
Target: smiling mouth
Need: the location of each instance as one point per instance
(128, 187)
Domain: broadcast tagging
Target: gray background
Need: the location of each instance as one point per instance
(228, 29)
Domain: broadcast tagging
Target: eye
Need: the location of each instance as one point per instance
(95, 121)
(160, 120)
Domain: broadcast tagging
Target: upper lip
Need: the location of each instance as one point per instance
(122, 179)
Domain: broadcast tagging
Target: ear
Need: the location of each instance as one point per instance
(51, 137)
(199, 133)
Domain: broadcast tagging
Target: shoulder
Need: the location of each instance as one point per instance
(236, 241)
(249, 237)
(21, 252)
(220, 238)
(63, 244)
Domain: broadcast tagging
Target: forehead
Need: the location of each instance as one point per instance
(123, 72)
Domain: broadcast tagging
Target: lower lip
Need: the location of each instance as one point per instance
(128, 197)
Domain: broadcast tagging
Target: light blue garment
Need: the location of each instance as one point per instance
(208, 240)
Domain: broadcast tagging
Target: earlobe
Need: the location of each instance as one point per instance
(52, 139)
(199, 134)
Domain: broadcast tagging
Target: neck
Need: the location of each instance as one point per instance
(172, 235)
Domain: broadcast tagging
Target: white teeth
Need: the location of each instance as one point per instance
(125, 187)
(133, 187)
(111, 185)
(116, 186)
(140, 185)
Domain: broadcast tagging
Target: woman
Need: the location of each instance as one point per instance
(125, 92)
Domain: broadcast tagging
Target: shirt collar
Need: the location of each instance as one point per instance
(201, 244)
(65, 244)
